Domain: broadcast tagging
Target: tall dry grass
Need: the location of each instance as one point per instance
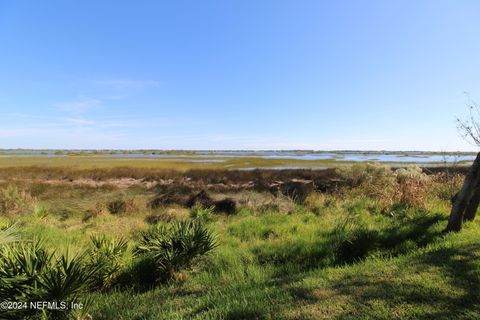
(407, 186)
(14, 200)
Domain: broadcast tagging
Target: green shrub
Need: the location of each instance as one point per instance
(106, 255)
(202, 214)
(9, 234)
(446, 185)
(40, 211)
(117, 206)
(175, 247)
(29, 272)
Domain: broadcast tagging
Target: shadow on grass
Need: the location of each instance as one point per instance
(292, 262)
(263, 299)
(343, 246)
(400, 238)
(443, 284)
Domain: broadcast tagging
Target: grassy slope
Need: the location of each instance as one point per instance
(438, 282)
(278, 266)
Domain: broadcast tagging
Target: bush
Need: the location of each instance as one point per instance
(408, 186)
(117, 206)
(227, 205)
(40, 211)
(28, 272)
(107, 255)
(201, 199)
(413, 186)
(373, 180)
(365, 173)
(9, 234)
(446, 185)
(122, 205)
(297, 190)
(174, 247)
(171, 195)
(202, 214)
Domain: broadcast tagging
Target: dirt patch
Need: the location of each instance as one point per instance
(122, 183)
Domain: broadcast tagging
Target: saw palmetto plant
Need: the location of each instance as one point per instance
(175, 247)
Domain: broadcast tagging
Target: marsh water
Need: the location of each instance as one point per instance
(216, 156)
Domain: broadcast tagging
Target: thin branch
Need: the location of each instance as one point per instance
(469, 129)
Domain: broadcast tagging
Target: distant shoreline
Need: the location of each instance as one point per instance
(172, 151)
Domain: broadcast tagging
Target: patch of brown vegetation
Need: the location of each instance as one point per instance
(297, 190)
(201, 199)
(227, 205)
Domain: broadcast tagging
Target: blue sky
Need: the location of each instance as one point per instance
(323, 75)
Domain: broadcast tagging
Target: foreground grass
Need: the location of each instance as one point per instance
(338, 256)
(439, 281)
(277, 266)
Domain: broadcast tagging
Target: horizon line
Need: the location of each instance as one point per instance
(233, 150)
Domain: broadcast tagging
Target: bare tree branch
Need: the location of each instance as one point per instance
(469, 128)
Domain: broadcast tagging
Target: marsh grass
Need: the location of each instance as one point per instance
(14, 200)
(124, 204)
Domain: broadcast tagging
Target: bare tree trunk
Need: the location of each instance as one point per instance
(472, 207)
(471, 210)
(464, 196)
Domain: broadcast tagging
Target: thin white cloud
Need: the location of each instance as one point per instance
(80, 105)
(13, 133)
(79, 121)
(128, 84)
